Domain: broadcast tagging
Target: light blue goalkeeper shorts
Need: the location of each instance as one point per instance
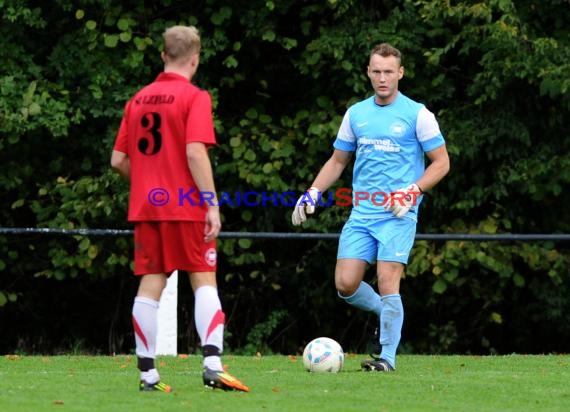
(387, 240)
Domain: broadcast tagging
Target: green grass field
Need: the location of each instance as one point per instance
(279, 383)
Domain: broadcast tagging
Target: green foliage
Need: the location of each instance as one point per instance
(259, 337)
(281, 75)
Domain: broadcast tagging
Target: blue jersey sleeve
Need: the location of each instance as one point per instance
(345, 138)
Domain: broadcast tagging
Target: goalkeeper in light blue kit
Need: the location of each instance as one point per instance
(391, 135)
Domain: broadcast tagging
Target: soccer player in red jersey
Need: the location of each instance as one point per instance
(161, 148)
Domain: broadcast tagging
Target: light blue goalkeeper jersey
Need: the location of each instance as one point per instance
(389, 142)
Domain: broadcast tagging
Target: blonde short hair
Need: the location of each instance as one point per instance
(386, 50)
(181, 42)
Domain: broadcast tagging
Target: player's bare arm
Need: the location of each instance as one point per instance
(329, 174)
(121, 164)
(332, 170)
(436, 170)
(201, 169)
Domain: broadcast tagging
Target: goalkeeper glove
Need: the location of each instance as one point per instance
(305, 204)
(401, 201)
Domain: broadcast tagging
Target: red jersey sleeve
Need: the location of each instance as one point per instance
(200, 125)
(122, 140)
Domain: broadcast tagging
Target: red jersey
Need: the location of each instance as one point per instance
(157, 124)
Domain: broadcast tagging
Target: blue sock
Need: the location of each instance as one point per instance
(365, 298)
(391, 327)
